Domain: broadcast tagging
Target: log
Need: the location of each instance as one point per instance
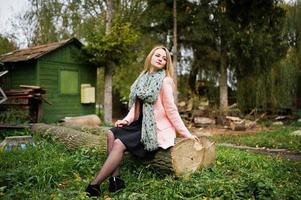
(236, 119)
(87, 120)
(238, 126)
(203, 121)
(186, 157)
(96, 130)
(73, 139)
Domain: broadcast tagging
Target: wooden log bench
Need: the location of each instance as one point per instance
(187, 156)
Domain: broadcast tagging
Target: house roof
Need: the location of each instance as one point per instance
(36, 51)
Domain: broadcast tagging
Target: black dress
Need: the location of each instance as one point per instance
(130, 136)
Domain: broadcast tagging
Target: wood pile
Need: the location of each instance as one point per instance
(27, 98)
(198, 114)
(238, 124)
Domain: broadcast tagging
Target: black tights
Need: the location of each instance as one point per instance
(115, 150)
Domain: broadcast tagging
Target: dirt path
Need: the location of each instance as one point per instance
(273, 152)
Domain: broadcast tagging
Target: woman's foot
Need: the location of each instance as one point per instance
(115, 184)
(93, 190)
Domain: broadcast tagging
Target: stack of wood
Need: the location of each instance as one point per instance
(238, 124)
(196, 113)
(28, 98)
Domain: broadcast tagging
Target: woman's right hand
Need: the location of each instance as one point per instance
(195, 138)
(121, 123)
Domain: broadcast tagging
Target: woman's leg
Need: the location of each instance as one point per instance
(110, 143)
(111, 163)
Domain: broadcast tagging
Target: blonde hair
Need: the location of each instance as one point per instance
(168, 67)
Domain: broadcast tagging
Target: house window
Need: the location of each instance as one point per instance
(69, 82)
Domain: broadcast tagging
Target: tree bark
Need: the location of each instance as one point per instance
(185, 157)
(108, 99)
(99, 130)
(109, 16)
(175, 47)
(223, 87)
(73, 139)
(108, 69)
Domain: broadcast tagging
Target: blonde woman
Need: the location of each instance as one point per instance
(151, 123)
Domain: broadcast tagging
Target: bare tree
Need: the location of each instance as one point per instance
(109, 68)
(175, 44)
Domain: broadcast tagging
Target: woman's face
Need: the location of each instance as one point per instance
(159, 60)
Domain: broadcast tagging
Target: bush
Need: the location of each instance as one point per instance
(14, 116)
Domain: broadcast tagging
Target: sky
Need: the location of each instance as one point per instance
(8, 10)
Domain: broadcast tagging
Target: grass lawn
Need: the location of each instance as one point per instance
(49, 171)
(278, 138)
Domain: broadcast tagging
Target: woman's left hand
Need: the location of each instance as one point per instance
(194, 137)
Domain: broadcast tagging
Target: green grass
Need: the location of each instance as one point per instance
(236, 175)
(49, 171)
(278, 138)
(45, 171)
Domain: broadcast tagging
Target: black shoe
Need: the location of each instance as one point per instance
(93, 190)
(115, 184)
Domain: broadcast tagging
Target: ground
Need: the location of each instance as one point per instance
(50, 171)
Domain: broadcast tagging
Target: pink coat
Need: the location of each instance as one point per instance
(167, 116)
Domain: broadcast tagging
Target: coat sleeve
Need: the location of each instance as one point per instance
(171, 108)
(131, 114)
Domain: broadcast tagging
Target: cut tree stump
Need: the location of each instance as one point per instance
(185, 157)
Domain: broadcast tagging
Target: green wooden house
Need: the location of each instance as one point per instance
(58, 68)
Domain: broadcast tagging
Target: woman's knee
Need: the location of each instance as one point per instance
(110, 135)
(118, 144)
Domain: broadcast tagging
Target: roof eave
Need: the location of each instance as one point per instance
(76, 41)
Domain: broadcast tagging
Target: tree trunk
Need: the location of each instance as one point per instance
(108, 94)
(223, 87)
(73, 139)
(175, 46)
(84, 120)
(185, 157)
(109, 16)
(98, 130)
(108, 69)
